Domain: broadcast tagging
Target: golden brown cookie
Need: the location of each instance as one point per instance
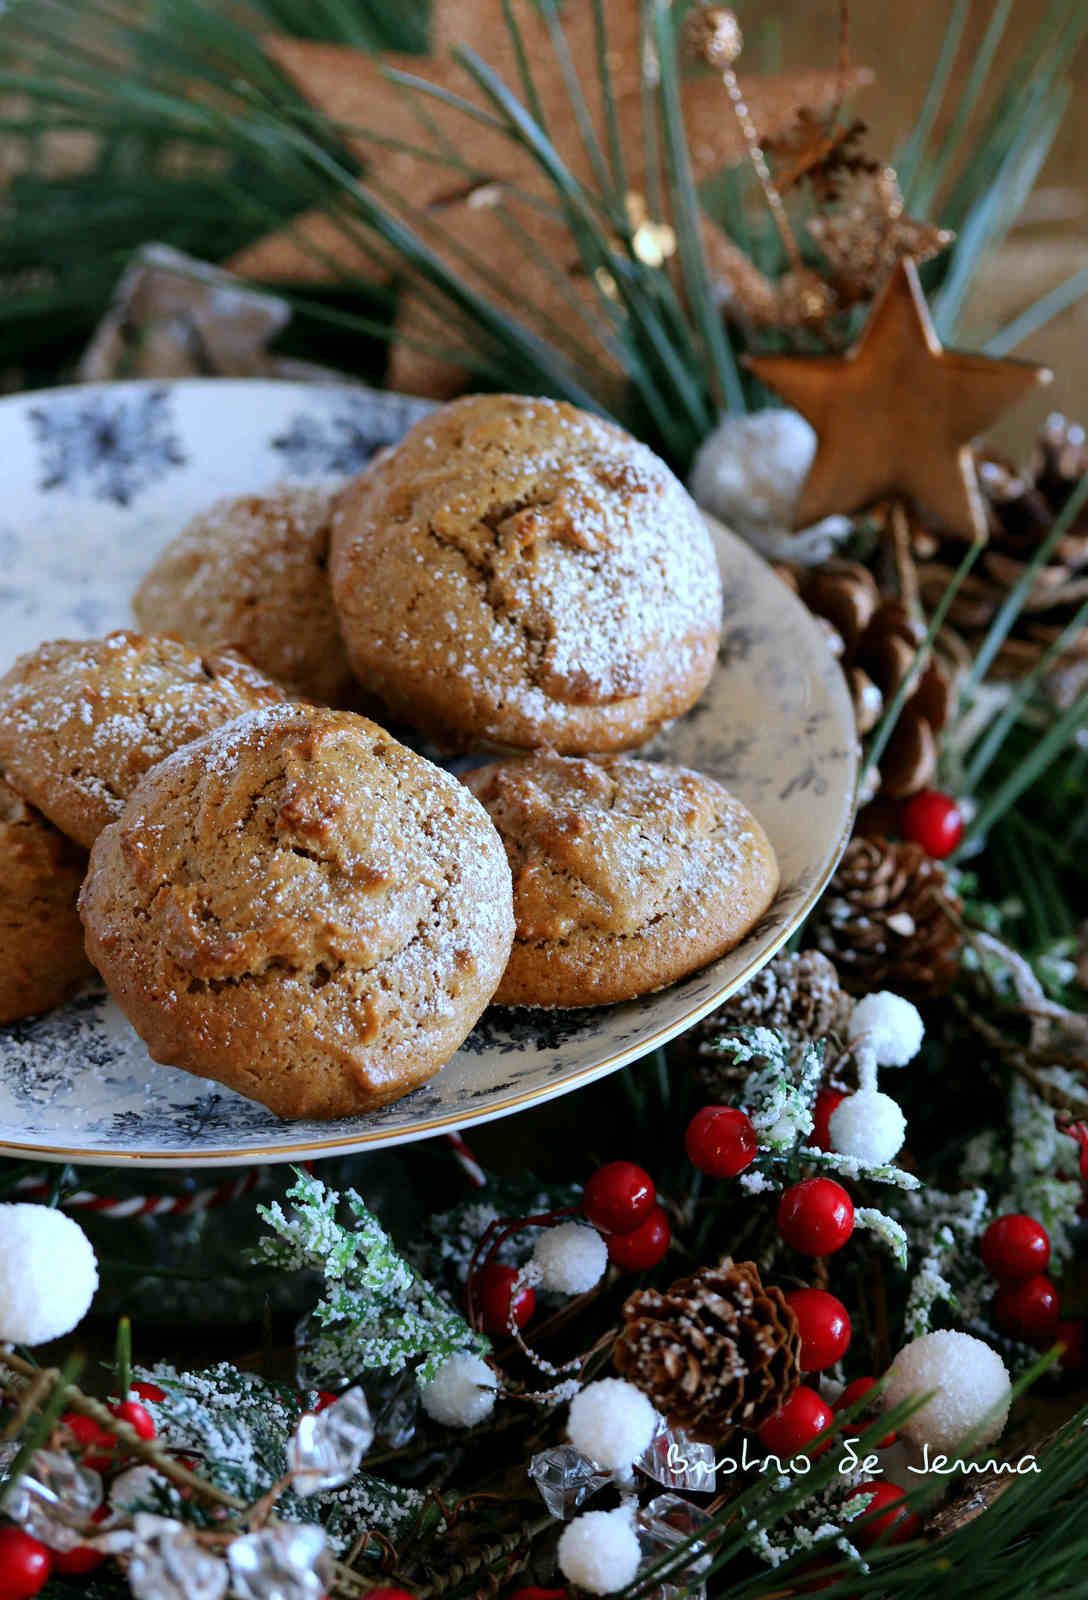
(303, 909)
(519, 572)
(41, 937)
(627, 874)
(81, 721)
(253, 573)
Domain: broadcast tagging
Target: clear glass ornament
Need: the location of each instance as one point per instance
(288, 1562)
(566, 1479)
(675, 1461)
(55, 1499)
(166, 1562)
(396, 1409)
(664, 1525)
(328, 1446)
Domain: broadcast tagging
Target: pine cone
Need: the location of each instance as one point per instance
(878, 641)
(884, 919)
(799, 996)
(714, 1352)
(1021, 509)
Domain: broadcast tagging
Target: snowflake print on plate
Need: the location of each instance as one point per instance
(342, 440)
(110, 446)
(96, 481)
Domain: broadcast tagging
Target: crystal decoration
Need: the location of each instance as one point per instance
(136, 1484)
(288, 1562)
(329, 1445)
(396, 1410)
(676, 1461)
(566, 1479)
(55, 1499)
(168, 1563)
(664, 1525)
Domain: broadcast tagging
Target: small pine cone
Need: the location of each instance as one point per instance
(885, 919)
(879, 642)
(799, 996)
(714, 1352)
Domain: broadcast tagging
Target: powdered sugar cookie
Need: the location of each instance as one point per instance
(520, 572)
(627, 874)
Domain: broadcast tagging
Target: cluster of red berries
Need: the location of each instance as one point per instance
(620, 1200)
(1016, 1250)
(815, 1216)
(26, 1564)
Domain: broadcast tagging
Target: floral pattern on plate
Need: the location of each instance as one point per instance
(96, 480)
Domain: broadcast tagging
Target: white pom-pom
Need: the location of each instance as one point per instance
(749, 472)
(571, 1258)
(970, 1384)
(461, 1393)
(890, 1026)
(612, 1422)
(869, 1127)
(599, 1551)
(48, 1274)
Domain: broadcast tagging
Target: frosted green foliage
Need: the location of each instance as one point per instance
(377, 1312)
(778, 1094)
(823, 1520)
(944, 1230)
(886, 1229)
(1038, 1153)
(239, 1427)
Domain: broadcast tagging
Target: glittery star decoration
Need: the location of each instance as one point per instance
(476, 222)
(864, 238)
(895, 416)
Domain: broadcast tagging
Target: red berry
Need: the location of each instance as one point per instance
(934, 821)
(499, 1302)
(1028, 1309)
(1070, 1335)
(74, 1563)
(325, 1398)
(827, 1102)
(25, 1565)
(824, 1323)
(816, 1216)
(531, 1592)
(138, 1418)
(850, 1396)
(721, 1141)
(885, 1518)
(618, 1197)
(391, 1593)
(148, 1391)
(795, 1424)
(644, 1246)
(1015, 1246)
(93, 1441)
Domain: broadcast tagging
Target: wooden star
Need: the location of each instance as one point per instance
(353, 90)
(895, 416)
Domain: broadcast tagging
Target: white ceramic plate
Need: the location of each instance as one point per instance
(94, 481)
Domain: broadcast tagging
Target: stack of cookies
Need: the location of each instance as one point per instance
(284, 897)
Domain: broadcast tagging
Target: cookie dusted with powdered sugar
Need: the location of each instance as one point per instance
(627, 874)
(521, 573)
(300, 908)
(41, 939)
(252, 572)
(81, 721)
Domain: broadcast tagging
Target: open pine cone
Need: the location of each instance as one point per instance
(885, 919)
(877, 639)
(799, 996)
(714, 1352)
(1021, 510)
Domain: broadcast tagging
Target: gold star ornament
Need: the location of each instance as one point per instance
(895, 416)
